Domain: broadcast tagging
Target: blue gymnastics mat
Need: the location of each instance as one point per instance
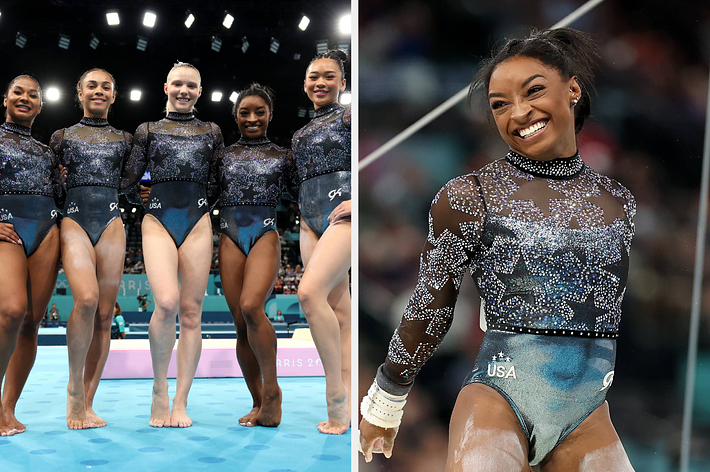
(215, 442)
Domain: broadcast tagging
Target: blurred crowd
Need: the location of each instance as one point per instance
(646, 132)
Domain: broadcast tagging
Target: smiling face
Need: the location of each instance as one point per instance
(97, 94)
(23, 102)
(183, 89)
(324, 82)
(532, 105)
(253, 116)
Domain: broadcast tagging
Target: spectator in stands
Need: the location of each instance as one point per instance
(54, 313)
(279, 316)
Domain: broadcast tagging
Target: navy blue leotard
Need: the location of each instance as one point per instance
(29, 185)
(180, 152)
(547, 244)
(94, 154)
(321, 152)
(252, 176)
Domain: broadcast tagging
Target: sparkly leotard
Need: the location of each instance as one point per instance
(29, 185)
(252, 175)
(321, 151)
(94, 154)
(180, 152)
(547, 244)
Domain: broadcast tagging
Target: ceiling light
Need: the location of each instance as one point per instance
(112, 18)
(142, 43)
(345, 24)
(135, 95)
(190, 19)
(20, 40)
(94, 43)
(216, 96)
(245, 44)
(149, 19)
(233, 97)
(274, 45)
(228, 20)
(346, 98)
(322, 46)
(304, 23)
(216, 43)
(53, 94)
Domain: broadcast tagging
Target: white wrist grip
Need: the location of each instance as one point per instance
(382, 409)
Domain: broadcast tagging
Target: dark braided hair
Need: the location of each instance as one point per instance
(80, 84)
(25, 76)
(571, 52)
(255, 90)
(337, 55)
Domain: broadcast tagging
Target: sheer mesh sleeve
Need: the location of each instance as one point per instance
(57, 182)
(135, 166)
(213, 184)
(455, 224)
(289, 179)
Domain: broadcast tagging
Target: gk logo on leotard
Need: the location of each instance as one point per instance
(154, 204)
(608, 379)
(73, 208)
(52, 214)
(501, 367)
(113, 206)
(201, 202)
(269, 222)
(336, 192)
(5, 215)
(223, 223)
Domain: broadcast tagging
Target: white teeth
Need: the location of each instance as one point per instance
(529, 131)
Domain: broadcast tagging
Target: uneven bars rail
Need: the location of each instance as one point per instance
(686, 433)
(436, 112)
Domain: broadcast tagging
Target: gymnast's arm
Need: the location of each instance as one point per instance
(135, 166)
(455, 222)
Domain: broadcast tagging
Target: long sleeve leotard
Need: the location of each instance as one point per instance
(30, 185)
(253, 174)
(94, 154)
(321, 151)
(180, 152)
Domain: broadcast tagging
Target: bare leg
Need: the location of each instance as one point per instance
(161, 265)
(485, 434)
(42, 267)
(231, 270)
(327, 262)
(194, 260)
(260, 274)
(13, 306)
(110, 253)
(339, 300)
(593, 446)
(79, 259)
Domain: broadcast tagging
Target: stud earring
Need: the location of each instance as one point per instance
(575, 101)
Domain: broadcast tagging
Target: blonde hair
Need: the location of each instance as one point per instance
(179, 64)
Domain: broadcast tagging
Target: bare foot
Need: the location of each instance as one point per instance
(5, 428)
(179, 417)
(270, 411)
(249, 419)
(76, 410)
(338, 415)
(11, 422)
(94, 420)
(160, 408)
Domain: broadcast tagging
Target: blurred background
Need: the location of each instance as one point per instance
(646, 132)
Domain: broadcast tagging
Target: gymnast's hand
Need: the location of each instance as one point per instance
(145, 194)
(62, 174)
(7, 233)
(374, 439)
(342, 211)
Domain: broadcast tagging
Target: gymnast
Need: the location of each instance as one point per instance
(547, 240)
(30, 193)
(321, 152)
(180, 152)
(253, 174)
(93, 238)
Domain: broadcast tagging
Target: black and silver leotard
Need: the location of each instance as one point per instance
(252, 175)
(30, 185)
(94, 154)
(180, 152)
(321, 152)
(547, 244)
